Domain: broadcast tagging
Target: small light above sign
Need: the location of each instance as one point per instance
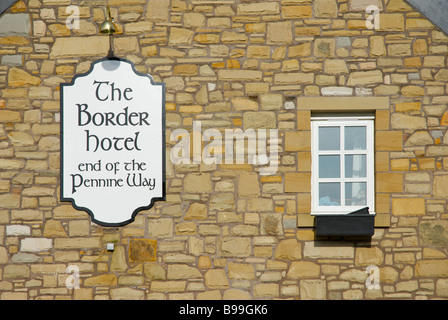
(108, 27)
(112, 142)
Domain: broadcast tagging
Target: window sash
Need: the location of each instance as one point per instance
(368, 180)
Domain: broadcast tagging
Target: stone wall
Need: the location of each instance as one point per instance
(225, 231)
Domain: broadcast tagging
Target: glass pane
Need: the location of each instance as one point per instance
(329, 138)
(329, 166)
(355, 194)
(355, 138)
(330, 194)
(356, 166)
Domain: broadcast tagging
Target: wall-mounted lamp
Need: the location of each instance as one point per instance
(109, 27)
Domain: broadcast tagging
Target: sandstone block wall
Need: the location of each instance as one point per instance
(226, 231)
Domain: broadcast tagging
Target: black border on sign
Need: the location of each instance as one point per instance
(153, 200)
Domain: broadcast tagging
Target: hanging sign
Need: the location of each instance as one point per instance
(112, 142)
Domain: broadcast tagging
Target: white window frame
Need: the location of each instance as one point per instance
(342, 121)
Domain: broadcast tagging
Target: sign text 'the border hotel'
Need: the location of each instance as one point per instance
(112, 148)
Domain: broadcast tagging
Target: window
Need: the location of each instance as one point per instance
(342, 178)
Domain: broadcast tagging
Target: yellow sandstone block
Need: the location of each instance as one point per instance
(297, 182)
(388, 141)
(296, 12)
(10, 116)
(298, 141)
(408, 106)
(20, 78)
(14, 41)
(389, 182)
(190, 109)
(399, 164)
(408, 207)
(186, 69)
